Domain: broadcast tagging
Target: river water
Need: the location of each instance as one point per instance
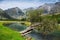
(33, 34)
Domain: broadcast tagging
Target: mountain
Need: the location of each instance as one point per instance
(50, 7)
(2, 14)
(46, 7)
(28, 9)
(56, 8)
(1, 11)
(14, 13)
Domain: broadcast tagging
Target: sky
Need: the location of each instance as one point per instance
(23, 4)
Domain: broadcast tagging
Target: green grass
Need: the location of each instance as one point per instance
(57, 32)
(23, 22)
(8, 34)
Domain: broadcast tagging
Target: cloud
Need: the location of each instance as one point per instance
(47, 0)
(21, 5)
(32, 0)
(18, 0)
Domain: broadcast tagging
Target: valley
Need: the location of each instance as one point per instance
(40, 23)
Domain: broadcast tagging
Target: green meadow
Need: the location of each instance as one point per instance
(8, 34)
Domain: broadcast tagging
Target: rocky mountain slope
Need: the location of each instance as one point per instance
(14, 13)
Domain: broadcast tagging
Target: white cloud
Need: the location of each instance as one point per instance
(21, 5)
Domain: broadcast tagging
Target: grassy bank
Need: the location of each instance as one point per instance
(7, 34)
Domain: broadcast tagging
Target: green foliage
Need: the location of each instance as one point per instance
(34, 15)
(57, 17)
(47, 23)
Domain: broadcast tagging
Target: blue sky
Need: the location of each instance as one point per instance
(22, 4)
